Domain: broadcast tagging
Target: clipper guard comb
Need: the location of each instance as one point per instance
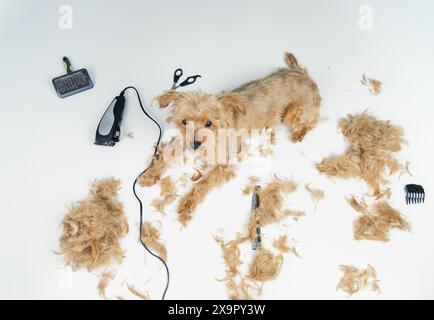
(414, 193)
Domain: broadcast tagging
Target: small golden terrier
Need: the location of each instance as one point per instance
(288, 96)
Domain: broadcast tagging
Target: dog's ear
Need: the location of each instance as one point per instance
(169, 96)
(234, 102)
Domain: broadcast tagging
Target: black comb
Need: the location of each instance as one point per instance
(72, 82)
(414, 193)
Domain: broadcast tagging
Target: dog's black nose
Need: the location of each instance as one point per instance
(196, 144)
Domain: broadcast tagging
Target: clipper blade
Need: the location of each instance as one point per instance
(257, 242)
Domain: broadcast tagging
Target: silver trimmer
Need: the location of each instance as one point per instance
(256, 244)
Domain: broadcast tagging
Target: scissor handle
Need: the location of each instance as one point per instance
(189, 80)
(176, 75)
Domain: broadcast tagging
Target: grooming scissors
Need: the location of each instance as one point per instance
(178, 74)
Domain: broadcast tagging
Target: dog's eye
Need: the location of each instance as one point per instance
(208, 124)
(184, 122)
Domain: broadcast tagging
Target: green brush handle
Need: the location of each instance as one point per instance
(67, 64)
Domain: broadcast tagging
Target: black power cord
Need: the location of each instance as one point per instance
(137, 197)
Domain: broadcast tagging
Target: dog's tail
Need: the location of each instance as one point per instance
(292, 62)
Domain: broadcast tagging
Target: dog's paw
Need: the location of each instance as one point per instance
(184, 219)
(196, 176)
(297, 136)
(148, 179)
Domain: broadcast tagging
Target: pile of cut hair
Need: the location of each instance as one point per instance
(370, 151)
(370, 156)
(92, 228)
(265, 264)
(355, 279)
(376, 221)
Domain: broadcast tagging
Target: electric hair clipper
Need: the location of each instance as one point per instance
(109, 127)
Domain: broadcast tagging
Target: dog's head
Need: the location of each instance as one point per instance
(197, 114)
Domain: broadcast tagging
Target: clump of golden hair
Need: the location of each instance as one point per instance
(354, 279)
(316, 194)
(371, 144)
(359, 205)
(282, 244)
(156, 168)
(231, 255)
(375, 223)
(265, 265)
(168, 194)
(151, 237)
(271, 200)
(373, 84)
(137, 293)
(104, 281)
(92, 228)
(270, 205)
(245, 289)
(239, 286)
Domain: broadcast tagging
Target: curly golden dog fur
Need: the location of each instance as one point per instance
(265, 265)
(354, 279)
(92, 229)
(371, 148)
(287, 96)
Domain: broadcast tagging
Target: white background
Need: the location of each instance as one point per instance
(48, 158)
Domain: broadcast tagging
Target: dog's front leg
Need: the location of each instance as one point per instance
(216, 177)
